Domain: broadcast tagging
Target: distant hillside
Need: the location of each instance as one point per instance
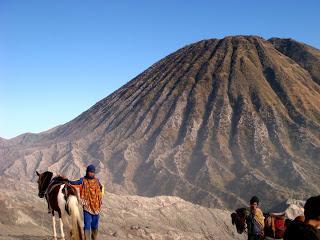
(213, 123)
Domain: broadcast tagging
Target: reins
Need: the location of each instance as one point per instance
(42, 218)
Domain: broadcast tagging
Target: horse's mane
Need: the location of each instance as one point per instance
(60, 178)
(57, 179)
(47, 175)
(47, 178)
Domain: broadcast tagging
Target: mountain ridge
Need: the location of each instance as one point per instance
(204, 123)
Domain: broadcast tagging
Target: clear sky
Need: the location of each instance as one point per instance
(57, 58)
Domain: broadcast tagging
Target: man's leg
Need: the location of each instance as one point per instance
(87, 218)
(95, 226)
(253, 237)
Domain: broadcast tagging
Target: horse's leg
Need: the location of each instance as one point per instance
(61, 228)
(61, 205)
(54, 227)
(61, 225)
(49, 207)
(66, 224)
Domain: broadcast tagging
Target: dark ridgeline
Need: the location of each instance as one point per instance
(215, 122)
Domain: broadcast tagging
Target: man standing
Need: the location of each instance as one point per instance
(91, 192)
(255, 220)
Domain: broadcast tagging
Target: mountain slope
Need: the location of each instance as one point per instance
(214, 123)
(24, 216)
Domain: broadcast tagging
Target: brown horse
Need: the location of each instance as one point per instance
(270, 230)
(238, 218)
(61, 198)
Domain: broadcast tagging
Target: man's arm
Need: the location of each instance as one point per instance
(101, 188)
(76, 182)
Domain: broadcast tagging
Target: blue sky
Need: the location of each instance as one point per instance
(57, 58)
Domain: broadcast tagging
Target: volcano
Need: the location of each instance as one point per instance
(214, 123)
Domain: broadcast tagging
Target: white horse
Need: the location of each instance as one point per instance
(62, 198)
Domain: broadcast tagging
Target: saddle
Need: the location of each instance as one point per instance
(278, 215)
(55, 182)
(276, 225)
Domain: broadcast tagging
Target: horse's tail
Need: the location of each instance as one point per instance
(73, 209)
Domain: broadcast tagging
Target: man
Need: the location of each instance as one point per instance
(91, 192)
(255, 220)
(310, 228)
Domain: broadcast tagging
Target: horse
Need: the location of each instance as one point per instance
(272, 228)
(238, 218)
(61, 198)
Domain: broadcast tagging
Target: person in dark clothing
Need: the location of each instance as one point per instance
(91, 192)
(310, 228)
(255, 220)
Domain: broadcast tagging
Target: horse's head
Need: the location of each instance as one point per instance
(43, 182)
(239, 219)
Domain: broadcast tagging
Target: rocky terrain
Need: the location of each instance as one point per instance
(213, 123)
(24, 216)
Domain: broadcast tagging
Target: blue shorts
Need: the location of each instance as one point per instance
(91, 221)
